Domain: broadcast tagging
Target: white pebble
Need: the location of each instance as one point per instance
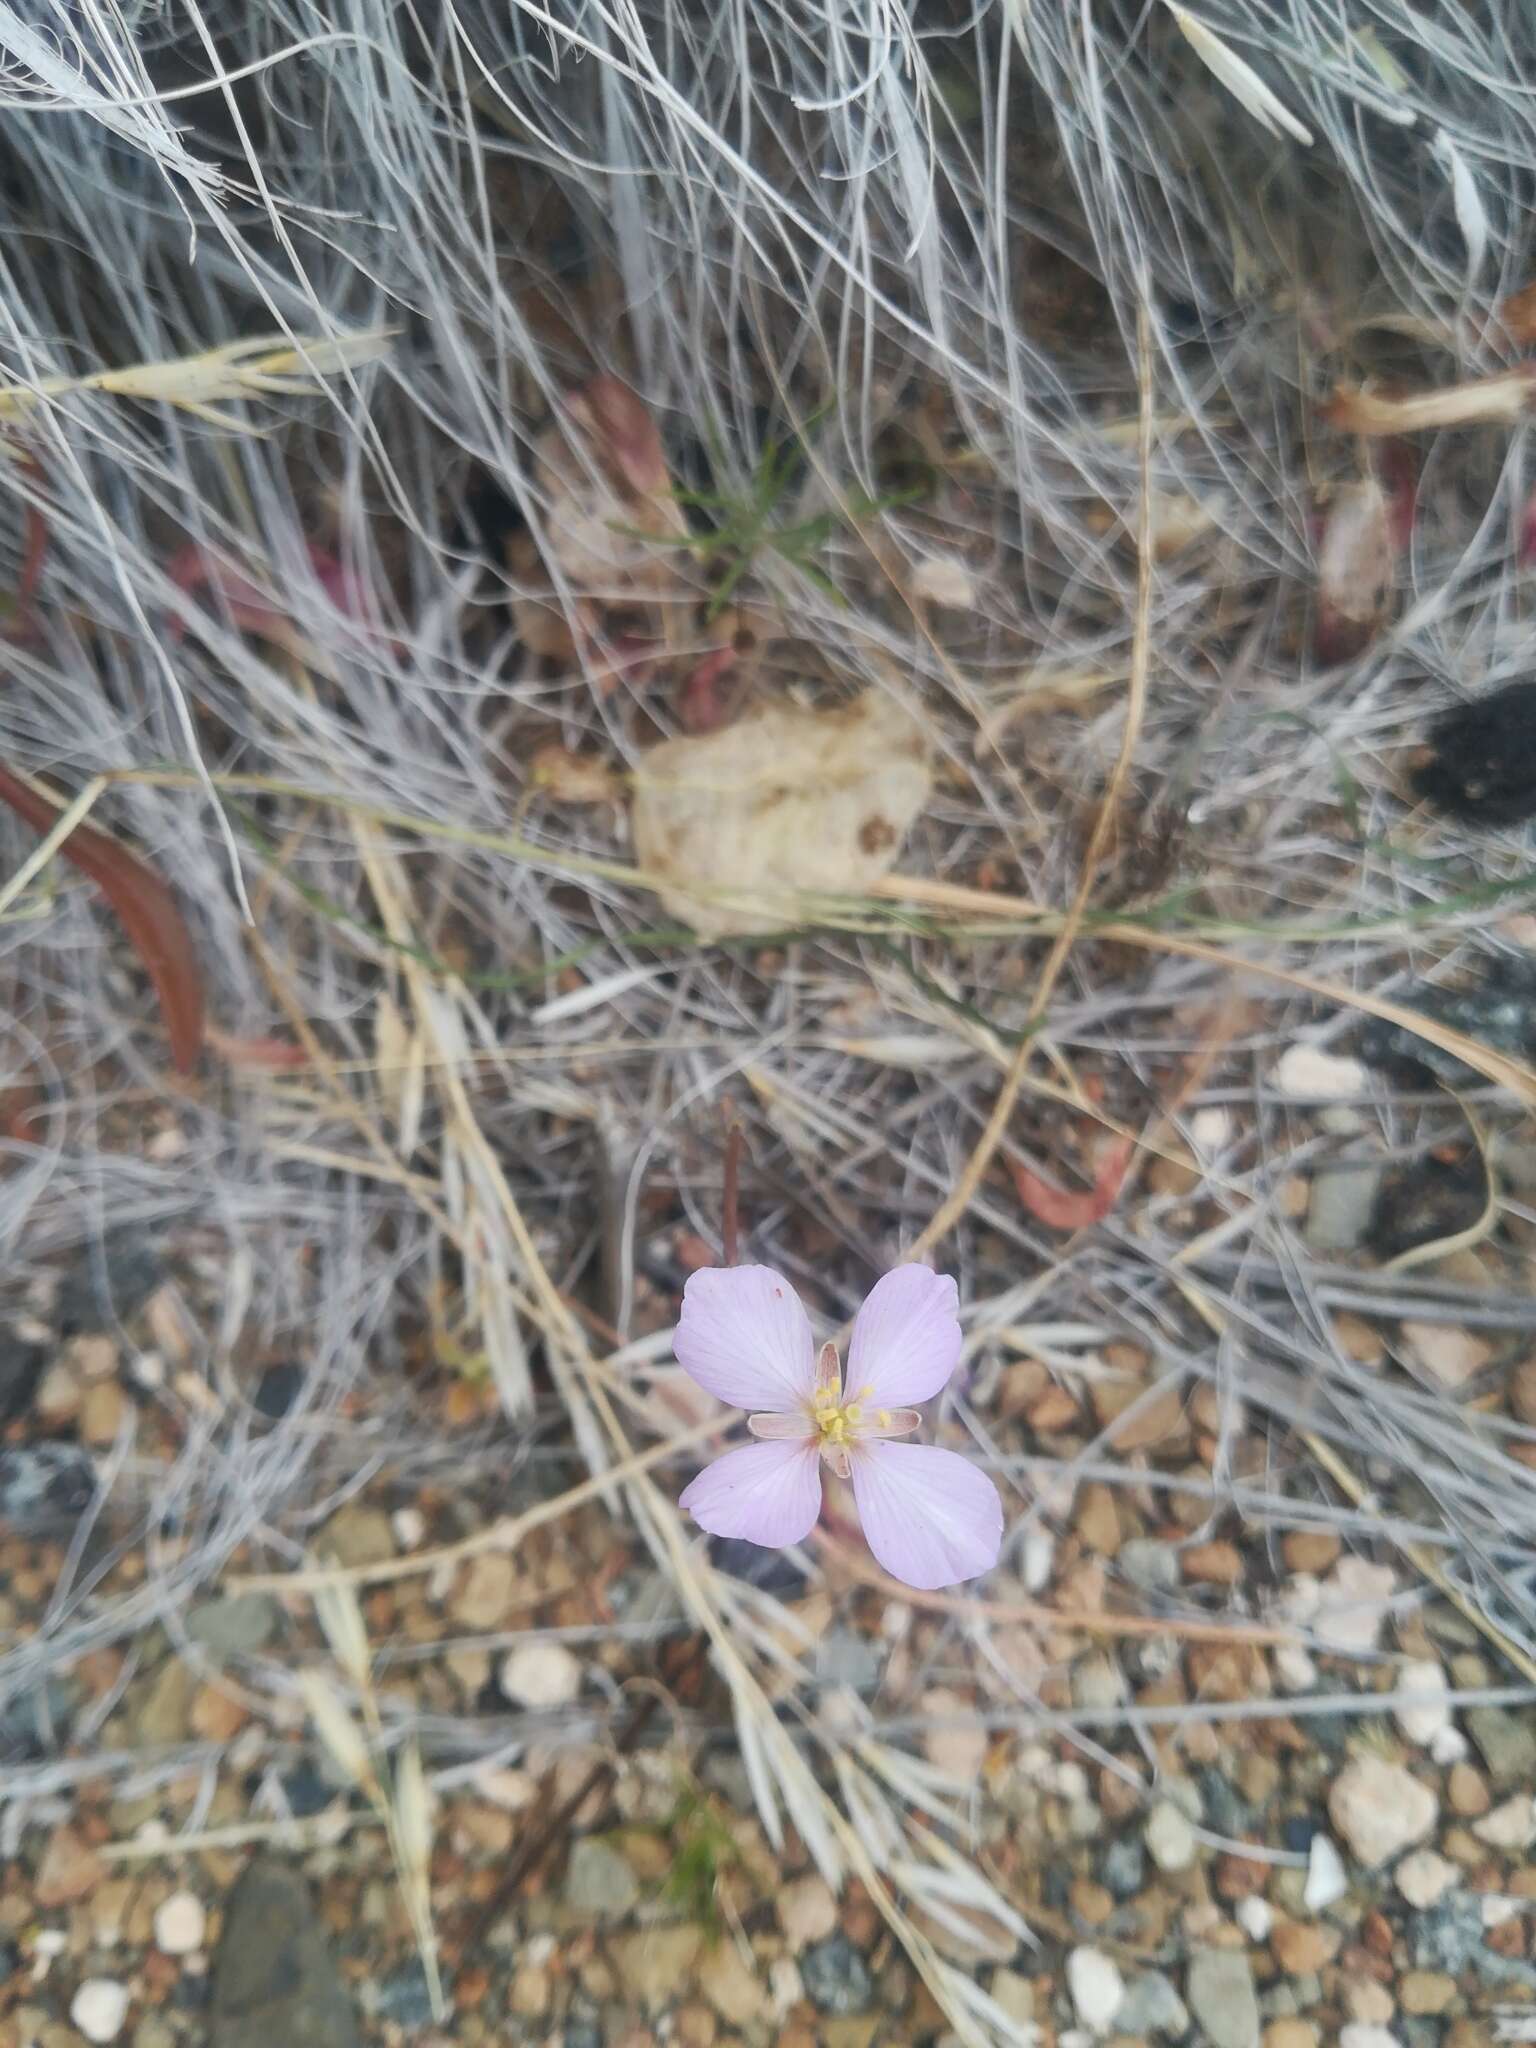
(1355, 1598)
(1096, 1986)
(943, 579)
(540, 1675)
(1308, 1074)
(1421, 1724)
(1449, 1747)
(410, 1528)
(1295, 1668)
(1039, 1557)
(1326, 1881)
(1255, 1916)
(1424, 1877)
(180, 1925)
(1360, 2035)
(1211, 1129)
(1380, 1809)
(99, 2008)
(1169, 1837)
(50, 1942)
(1510, 1826)
(1497, 1910)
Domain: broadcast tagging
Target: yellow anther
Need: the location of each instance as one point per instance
(883, 1418)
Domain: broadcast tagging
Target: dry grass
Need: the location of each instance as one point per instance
(1161, 845)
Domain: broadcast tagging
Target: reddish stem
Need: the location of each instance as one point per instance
(144, 907)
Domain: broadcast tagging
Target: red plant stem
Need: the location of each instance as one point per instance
(144, 907)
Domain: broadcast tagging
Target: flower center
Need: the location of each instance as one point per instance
(840, 1422)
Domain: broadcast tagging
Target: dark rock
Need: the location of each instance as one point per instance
(836, 1977)
(1498, 1010)
(307, 1792)
(278, 1390)
(1297, 1832)
(36, 1722)
(582, 2033)
(1123, 1869)
(10, 1959)
(45, 1487)
(1447, 1935)
(274, 1979)
(21, 1367)
(1222, 1807)
(1056, 1886)
(107, 1282)
(404, 1996)
(773, 1571)
(1425, 1200)
(1482, 759)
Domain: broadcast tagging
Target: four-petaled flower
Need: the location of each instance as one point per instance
(931, 1518)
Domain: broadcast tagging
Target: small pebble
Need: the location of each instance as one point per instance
(807, 1912)
(180, 1925)
(1362, 2036)
(540, 1675)
(1353, 1604)
(1169, 1837)
(1096, 1988)
(1422, 1723)
(1308, 1074)
(1255, 1916)
(1380, 1809)
(1326, 1881)
(1221, 1995)
(99, 2008)
(1510, 1826)
(1424, 1877)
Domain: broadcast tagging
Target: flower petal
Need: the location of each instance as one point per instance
(768, 1493)
(906, 1339)
(745, 1337)
(931, 1518)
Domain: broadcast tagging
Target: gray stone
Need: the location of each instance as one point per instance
(236, 1627)
(836, 1977)
(582, 2033)
(274, 1979)
(1123, 1867)
(1342, 1202)
(161, 1716)
(404, 1997)
(1448, 1934)
(1219, 1988)
(1508, 1744)
(1153, 1567)
(846, 1658)
(107, 1282)
(358, 1536)
(45, 1487)
(1223, 1807)
(21, 1367)
(1152, 2006)
(598, 1881)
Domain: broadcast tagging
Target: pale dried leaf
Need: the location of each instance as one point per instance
(736, 825)
(341, 1619)
(1500, 400)
(337, 1729)
(1239, 77)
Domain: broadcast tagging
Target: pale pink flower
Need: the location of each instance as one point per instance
(931, 1518)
